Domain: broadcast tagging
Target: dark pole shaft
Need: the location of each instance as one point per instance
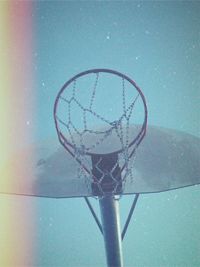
(109, 207)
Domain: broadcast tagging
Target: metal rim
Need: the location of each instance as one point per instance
(142, 131)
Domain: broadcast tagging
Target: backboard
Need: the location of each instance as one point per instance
(166, 159)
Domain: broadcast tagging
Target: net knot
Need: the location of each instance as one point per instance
(115, 124)
(80, 151)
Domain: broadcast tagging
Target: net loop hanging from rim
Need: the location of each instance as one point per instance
(93, 112)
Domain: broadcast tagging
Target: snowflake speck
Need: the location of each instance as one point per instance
(108, 36)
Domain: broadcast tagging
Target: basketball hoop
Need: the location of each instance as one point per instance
(84, 102)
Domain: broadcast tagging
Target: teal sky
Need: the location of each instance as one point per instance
(155, 43)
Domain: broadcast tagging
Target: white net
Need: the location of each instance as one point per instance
(93, 112)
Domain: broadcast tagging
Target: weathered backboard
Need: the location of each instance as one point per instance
(165, 160)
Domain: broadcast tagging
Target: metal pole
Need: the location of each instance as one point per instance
(109, 207)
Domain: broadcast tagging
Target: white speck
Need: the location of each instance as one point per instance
(136, 57)
(108, 36)
(28, 123)
(43, 84)
(138, 5)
